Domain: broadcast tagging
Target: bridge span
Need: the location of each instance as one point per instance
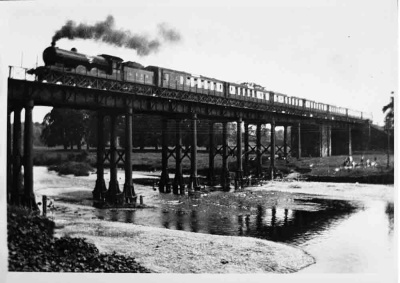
(313, 132)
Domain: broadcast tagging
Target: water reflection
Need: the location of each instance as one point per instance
(273, 223)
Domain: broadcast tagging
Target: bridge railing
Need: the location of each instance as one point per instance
(20, 73)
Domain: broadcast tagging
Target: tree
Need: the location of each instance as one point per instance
(65, 127)
(389, 124)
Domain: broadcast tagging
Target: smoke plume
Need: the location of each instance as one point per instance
(105, 31)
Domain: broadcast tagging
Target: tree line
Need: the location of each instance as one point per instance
(73, 128)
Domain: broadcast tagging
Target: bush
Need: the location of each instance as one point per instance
(44, 159)
(72, 167)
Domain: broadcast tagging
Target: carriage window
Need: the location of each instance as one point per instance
(181, 80)
(200, 83)
(166, 77)
(205, 84)
(212, 85)
(232, 89)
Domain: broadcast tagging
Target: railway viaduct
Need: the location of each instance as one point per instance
(312, 133)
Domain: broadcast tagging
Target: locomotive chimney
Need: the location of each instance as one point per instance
(53, 43)
(73, 49)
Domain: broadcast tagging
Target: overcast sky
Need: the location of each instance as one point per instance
(336, 52)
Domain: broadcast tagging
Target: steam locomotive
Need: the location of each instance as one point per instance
(115, 68)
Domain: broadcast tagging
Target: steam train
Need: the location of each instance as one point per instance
(115, 68)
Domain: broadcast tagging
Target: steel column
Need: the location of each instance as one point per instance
(350, 146)
(29, 195)
(285, 141)
(211, 174)
(272, 164)
(129, 190)
(225, 178)
(178, 186)
(259, 155)
(114, 194)
(329, 135)
(164, 185)
(298, 141)
(100, 189)
(17, 190)
(239, 152)
(193, 181)
(246, 169)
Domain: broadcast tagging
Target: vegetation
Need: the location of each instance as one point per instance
(32, 247)
(65, 127)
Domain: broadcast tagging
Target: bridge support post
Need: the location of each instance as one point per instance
(272, 164)
(9, 174)
(178, 186)
(193, 181)
(100, 189)
(259, 153)
(285, 151)
(239, 152)
(298, 140)
(17, 191)
(325, 140)
(329, 140)
(225, 178)
(114, 194)
(29, 195)
(164, 185)
(129, 190)
(246, 149)
(211, 154)
(350, 143)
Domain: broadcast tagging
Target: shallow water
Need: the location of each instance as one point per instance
(343, 236)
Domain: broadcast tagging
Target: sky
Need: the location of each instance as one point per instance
(336, 52)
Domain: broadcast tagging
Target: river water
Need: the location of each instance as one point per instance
(344, 236)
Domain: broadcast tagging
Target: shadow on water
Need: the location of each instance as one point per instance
(272, 222)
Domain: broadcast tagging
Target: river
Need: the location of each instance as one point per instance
(345, 235)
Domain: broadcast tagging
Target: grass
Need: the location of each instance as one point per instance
(150, 160)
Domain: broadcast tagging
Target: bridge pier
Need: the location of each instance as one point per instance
(193, 181)
(178, 185)
(29, 195)
(17, 191)
(350, 151)
(225, 178)
(239, 152)
(164, 185)
(325, 141)
(296, 139)
(211, 155)
(285, 151)
(259, 152)
(113, 194)
(100, 189)
(129, 191)
(246, 168)
(272, 163)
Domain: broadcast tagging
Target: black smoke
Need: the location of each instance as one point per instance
(105, 31)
